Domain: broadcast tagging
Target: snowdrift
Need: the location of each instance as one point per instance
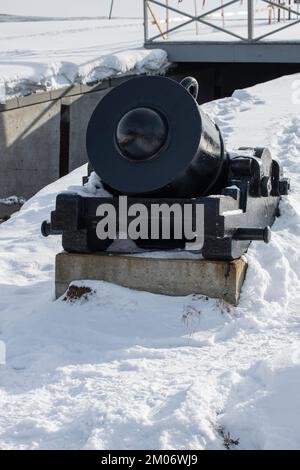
(130, 370)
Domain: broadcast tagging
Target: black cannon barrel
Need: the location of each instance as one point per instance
(149, 136)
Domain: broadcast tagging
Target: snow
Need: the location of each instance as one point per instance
(48, 55)
(71, 8)
(132, 370)
(50, 46)
(12, 200)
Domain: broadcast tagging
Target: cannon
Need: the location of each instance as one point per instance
(148, 140)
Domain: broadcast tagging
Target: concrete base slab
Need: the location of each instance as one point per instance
(169, 276)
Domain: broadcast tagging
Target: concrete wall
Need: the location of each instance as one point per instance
(80, 110)
(29, 148)
(42, 137)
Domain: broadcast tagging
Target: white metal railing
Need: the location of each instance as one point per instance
(204, 17)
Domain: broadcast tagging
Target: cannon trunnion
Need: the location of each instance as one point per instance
(149, 140)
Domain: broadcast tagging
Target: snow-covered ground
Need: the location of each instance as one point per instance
(130, 370)
(47, 55)
(49, 46)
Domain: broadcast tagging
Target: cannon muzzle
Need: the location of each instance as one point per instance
(141, 134)
(149, 136)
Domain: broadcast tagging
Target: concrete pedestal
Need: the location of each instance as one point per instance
(220, 279)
